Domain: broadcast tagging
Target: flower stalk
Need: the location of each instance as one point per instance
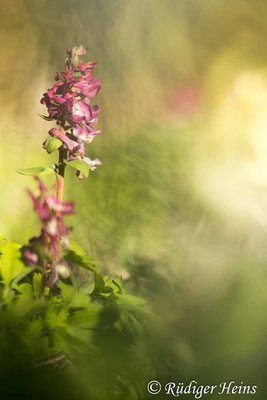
(60, 175)
(68, 103)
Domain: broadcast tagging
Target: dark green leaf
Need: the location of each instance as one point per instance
(99, 283)
(82, 261)
(45, 117)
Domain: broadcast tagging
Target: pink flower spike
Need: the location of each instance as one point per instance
(90, 87)
(78, 51)
(42, 186)
(61, 135)
(58, 206)
(87, 67)
(68, 103)
(92, 163)
(95, 111)
(39, 206)
(85, 133)
(80, 112)
(31, 258)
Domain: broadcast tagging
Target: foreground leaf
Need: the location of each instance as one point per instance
(37, 284)
(12, 269)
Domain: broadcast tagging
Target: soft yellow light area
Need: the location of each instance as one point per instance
(231, 162)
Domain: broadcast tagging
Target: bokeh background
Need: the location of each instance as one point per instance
(179, 206)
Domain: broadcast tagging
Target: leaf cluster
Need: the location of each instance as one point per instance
(71, 316)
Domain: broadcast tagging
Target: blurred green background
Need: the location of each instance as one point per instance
(178, 208)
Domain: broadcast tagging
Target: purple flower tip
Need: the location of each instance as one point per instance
(68, 103)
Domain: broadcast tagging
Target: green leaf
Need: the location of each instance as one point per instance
(115, 285)
(77, 255)
(99, 283)
(73, 298)
(22, 275)
(55, 320)
(83, 261)
(41, 171)
(80, 165)
(76, 248)
(24, 301)
(37, 284)
(51, 144)
(67, 292)
(87, 318)
(11, 267)
(131, 302)
(25, 288)
(45, 117)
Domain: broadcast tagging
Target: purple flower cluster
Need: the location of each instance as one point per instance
(46, 249)
(69, 103)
